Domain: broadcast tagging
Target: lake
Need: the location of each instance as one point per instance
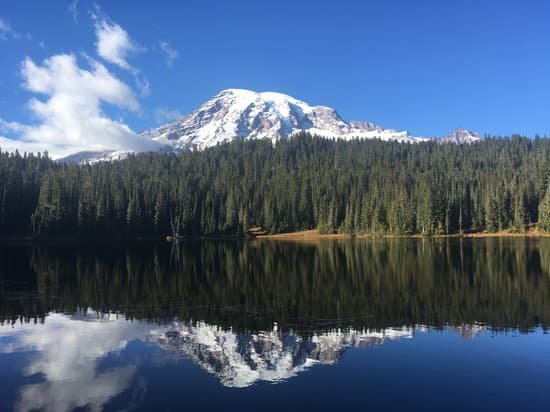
(373, 324)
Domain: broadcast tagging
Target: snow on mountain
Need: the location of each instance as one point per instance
(241, 359)
(235, 114)
(243, 114)
(461, 136)
(91, 157)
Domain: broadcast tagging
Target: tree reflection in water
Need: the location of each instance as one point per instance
(306, 287)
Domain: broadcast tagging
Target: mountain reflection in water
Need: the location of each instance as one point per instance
(242, 359)
(67, 350)
(248, 312)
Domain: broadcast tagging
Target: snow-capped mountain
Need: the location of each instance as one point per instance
(240, 359)
(235, 114)
(243, 114)
(461, 136)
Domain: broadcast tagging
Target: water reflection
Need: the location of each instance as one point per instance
(242, 359)
(248, 312)
(64, 352)
(249, 286)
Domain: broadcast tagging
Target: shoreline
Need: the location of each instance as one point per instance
(316, 235)
(303, 235)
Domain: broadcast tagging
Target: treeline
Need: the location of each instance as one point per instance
(365, 186)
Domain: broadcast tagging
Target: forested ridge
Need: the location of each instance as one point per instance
(366, 186)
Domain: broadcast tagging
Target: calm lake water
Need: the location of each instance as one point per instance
(412, 324)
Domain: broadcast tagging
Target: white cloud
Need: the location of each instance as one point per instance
(68, 351)
(113, 42)
(163, 115)
(12, 145)
(71, 117)
(114, 45)
(143, 85)
(73, 9)
(171, 53)
(68, 108)
(6, 31)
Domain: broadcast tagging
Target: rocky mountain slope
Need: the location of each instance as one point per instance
(243, 114)
(235, 114)
(461, 136)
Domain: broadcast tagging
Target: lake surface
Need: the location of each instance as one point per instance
(403, 324)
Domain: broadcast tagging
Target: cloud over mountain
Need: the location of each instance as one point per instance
(70, 99)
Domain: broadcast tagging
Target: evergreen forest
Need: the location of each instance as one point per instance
(356, 187)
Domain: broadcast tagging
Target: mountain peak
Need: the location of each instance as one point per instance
(244, 114)
(462, 136)
(241, 114)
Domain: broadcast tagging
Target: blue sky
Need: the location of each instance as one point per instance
(425, 66)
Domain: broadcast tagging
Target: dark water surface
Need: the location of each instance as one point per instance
(412, 324)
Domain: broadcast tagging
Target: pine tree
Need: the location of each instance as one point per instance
(231, 217)
(159, 211)
(425, 211)
(544, 212)
(520, 213)
(491, 214)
